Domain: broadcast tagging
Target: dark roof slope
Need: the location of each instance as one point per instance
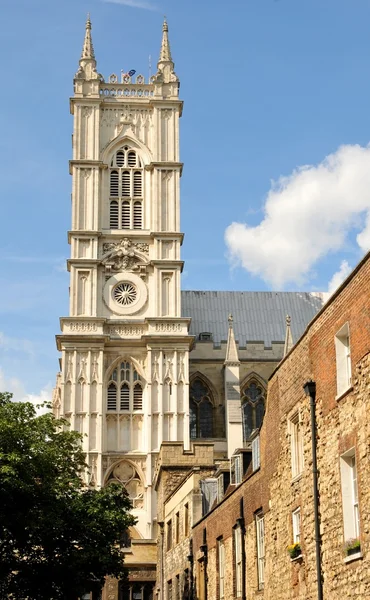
(258, 316)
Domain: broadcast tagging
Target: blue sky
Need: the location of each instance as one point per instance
(271, 89)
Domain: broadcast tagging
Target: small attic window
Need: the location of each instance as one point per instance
(205, 336)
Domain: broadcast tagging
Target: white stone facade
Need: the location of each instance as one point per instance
(124, 368)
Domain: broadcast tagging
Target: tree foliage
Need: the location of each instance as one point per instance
(58, 538)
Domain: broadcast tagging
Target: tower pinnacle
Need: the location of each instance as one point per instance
(165, 53)
(231, 349)
(88, 48)
(166, 72)
(87, 68)
(288, 336)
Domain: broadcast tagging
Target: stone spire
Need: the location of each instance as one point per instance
(288, 337)
(88, 48)
(166, 72)
(232, 357)
(165, 53)
(87, 68)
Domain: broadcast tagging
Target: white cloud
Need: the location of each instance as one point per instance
(19, 345)
(16, 387)
(339, 277)
(134, 4)
(306, 215)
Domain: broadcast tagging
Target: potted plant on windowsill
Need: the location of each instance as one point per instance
(295, 551)
(352, 546)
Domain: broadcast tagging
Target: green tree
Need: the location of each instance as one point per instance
(58, 538)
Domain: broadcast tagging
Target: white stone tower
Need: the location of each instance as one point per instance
(124, 366)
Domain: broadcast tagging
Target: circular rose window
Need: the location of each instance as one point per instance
(124, 293)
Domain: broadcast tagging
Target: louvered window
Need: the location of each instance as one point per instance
(112, 397)
(137, 215)
(138, 397)
(126, 214)
(114, 214)
(137, 184)
(125, 396)
(126, 184)
(125, 389)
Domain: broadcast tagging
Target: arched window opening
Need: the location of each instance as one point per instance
(127, 475)
(112, 397)
(125, 397)
(253, 408)
(120, 158)
(138, 397)
(114, 183)
(126, 184)
(125, 389)
(201, 410)
(137, 184)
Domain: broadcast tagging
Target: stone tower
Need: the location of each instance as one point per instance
(124, 366)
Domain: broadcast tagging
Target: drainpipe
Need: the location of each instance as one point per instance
(161, 572)
(191, 574)
(310, 391)
(241, 524)
(204, 549)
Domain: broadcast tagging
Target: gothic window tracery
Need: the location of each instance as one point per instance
(201, 410)
(253, 407)
(124, 389)
(127, 475)
(126, 190)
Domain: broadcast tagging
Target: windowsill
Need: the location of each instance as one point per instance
(352, 557)
(297, 478)
(344, 393)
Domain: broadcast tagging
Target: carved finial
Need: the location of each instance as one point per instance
(88, 48)
(165, 53)
(288, 345)
(232, 357)
(87, 68)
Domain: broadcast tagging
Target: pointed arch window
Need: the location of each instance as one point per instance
(201, 410)
(124, 389)
(126, 190)
(253, 407)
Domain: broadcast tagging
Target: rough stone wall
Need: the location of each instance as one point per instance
(174, 466)
(342, 423)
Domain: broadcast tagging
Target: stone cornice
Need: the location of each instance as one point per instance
(85, 163)
(165, 165)
(84, 233)
(168, 263)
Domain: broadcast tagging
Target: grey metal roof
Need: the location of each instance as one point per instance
(258, 316)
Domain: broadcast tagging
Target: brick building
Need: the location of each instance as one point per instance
(240, 547)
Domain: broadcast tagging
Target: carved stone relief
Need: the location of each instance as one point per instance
(125, 255)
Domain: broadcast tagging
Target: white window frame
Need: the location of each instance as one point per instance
(236, 469)
(296, 522)
(256, 456)
(220, 487)
(221, 567)
(260, 538)
(343, 360)
(238, 560)
(350, 503)
(296, 445)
